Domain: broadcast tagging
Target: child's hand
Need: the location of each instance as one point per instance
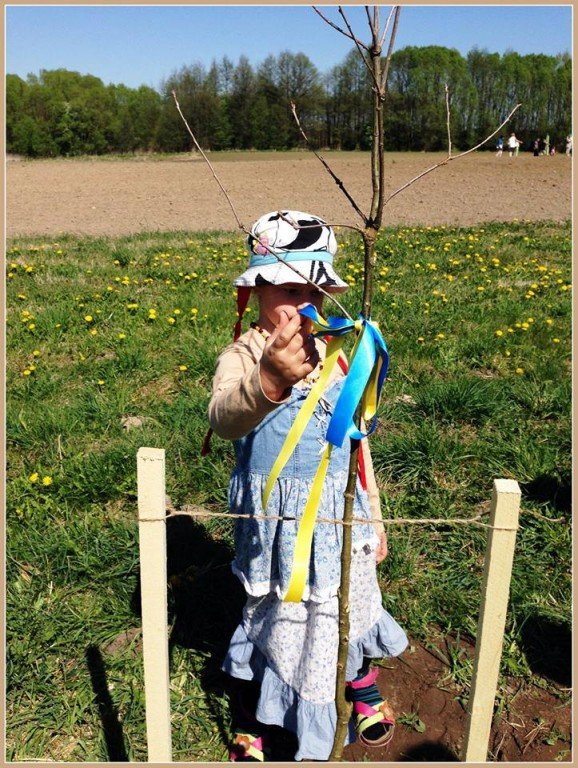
(381, 551)
(290, 354)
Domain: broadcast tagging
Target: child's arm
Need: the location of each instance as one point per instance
(249, 382)
(238, 403)
(374, 502)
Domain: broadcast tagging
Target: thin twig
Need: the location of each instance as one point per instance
(373, 23)
(206, 159)
(350, 35)
(448, 120)
(448, 159)
(279, 258)
(335, 178)
(315, 226)
(359, 46)
(387, 23)
(397, 10)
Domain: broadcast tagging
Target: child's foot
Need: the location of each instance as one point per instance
(247, 748)
(374, 718)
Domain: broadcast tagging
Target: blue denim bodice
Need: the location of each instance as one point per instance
(264, 548)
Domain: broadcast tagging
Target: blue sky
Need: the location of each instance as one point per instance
(141, 45)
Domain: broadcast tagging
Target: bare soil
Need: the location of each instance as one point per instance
(532, 719)
(117, 197)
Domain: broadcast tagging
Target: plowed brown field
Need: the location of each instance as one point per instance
(115, 197)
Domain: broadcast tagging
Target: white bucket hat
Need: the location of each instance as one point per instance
(309, 247)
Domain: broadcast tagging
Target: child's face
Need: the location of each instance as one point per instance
(274, 299)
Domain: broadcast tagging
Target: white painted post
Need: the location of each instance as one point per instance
(153, 580)
(492, 620)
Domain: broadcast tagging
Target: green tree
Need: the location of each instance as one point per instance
(348, 105)
(417, 114)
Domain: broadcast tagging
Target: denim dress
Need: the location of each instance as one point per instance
(291, 648)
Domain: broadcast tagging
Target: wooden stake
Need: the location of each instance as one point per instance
(492, 620)
(153, 579)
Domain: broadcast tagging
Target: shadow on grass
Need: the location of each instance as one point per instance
(205, 606)
(111, 725)
(550, 488)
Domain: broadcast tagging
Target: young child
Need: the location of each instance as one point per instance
(289, 649)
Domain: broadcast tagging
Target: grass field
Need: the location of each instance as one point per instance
(477, 322)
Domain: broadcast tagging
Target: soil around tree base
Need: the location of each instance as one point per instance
(418, 686)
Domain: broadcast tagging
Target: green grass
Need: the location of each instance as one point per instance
(478, 326)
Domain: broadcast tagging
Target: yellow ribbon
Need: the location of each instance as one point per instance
(302, 553)
(298, 426)
(303, 542)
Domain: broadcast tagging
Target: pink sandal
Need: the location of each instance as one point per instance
(247, 748)
(367, 715)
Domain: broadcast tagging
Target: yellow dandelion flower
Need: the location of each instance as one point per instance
(46, 480)
(26, 372)
(555, 341)
(183, 368)
(171, 320)
(36, 353)
(122, 336)
(499, 333)
(94, 332)
(88, 318)
(507, 353)
(519, 371)
(33, 477)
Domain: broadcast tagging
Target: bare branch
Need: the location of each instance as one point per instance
(373, 21)
(448, 120)
(360, 45)
(198, 146)
(387, 23)
(453, 157)
(242, 226)
(335, 178)
(312, 226)
(349, 34)
(396, 10)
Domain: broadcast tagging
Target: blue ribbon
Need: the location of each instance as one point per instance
(370, 351)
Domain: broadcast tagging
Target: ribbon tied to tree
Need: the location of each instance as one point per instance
(362, 389)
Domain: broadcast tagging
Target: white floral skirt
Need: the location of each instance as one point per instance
(292, 649)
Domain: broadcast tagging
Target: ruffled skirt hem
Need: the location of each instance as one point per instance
(279, 704)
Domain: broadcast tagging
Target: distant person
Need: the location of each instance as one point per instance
(547, 144)
(500, 147)
(536, 147)
(569, 145)
(513, 145)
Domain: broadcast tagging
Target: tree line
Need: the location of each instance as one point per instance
(240, 106)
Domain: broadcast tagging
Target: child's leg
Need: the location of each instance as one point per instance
(374, 719)
(247, 746)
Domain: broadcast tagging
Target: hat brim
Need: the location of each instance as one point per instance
(319, 272)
